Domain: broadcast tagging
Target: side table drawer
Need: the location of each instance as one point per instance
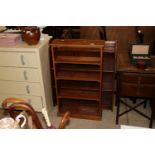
(129, 78)
(128, 89)
(137, 85)
(34, 101)
(19, 74)
(18, 59)
(7, 87)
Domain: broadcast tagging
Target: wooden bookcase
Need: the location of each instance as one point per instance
(109, 71)
(78, 69)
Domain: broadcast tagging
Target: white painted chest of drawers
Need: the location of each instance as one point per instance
(25, 73)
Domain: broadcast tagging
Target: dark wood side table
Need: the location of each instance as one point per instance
(134, 82)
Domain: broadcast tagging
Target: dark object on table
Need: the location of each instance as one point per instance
(31, 35)
(140, 55)
(141, 64)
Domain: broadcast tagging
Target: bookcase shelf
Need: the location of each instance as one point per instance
(77, 75)
(87, 109)
(78, 94)
(77, 67)
(77, 60)
(78, 85)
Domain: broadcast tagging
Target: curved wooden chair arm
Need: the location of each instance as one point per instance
(64, 120)
(9, 101)
(12, 100)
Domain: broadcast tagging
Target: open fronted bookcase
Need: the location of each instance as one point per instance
(78, 76)
(83, 76)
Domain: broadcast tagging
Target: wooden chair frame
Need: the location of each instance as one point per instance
(20, 104)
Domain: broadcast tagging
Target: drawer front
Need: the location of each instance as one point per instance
(146, 90)
(129, 78)
(19, 74)
(129, 89)
(137, 85)
(147, 79)
(35, 102)
(18, 59)
(25, 88)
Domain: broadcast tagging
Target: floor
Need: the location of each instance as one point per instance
(107, 122)
(108, 119)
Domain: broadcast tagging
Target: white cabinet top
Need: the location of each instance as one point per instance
(25, 47)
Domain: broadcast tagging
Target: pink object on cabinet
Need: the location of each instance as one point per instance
(12, 39)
